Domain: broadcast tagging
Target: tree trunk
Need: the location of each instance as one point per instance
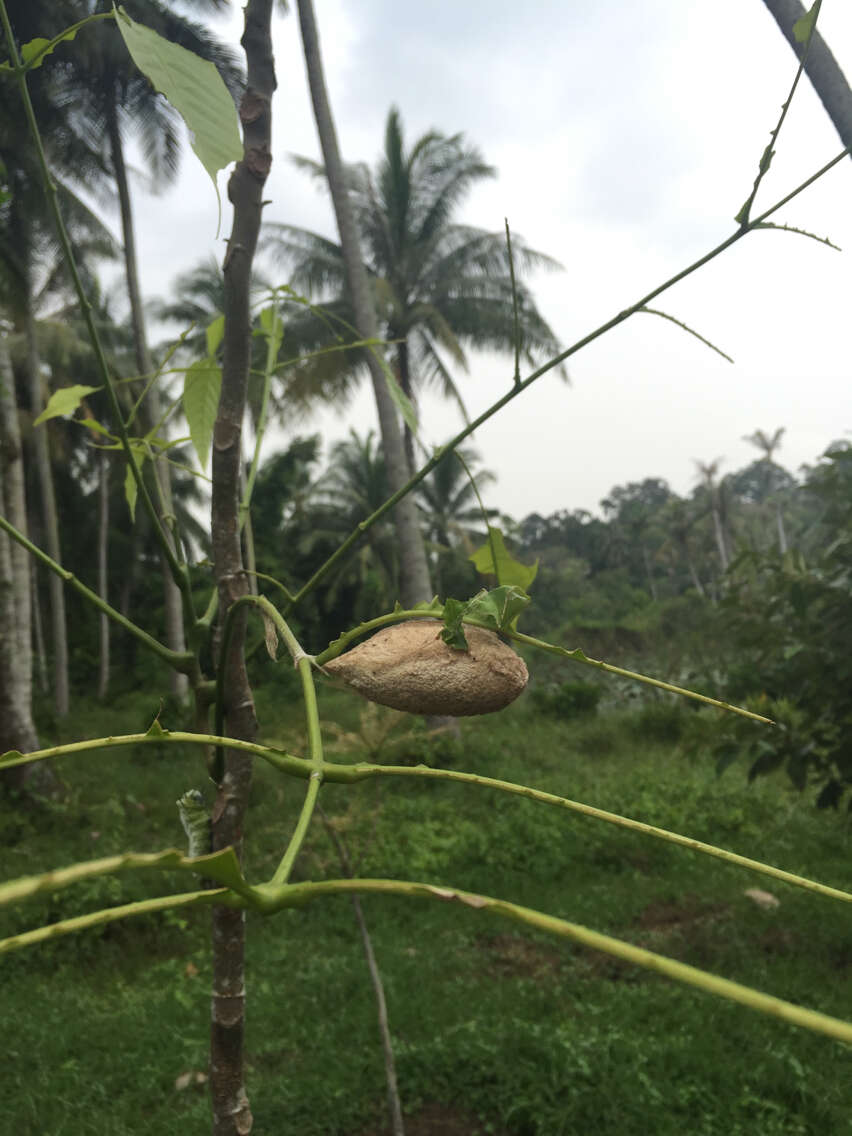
(48, 504)
(17, 729)
(149, 411)
(38, 630)
(404, 376)
(231, 1111)
(103, 535)
(821, 68)
(414, 570)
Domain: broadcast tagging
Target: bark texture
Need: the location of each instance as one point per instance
(50, 520)
(231, 1111)
(821, 67)
(414, 570)
(17, 730)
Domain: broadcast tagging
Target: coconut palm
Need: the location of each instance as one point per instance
(440, 287)
(768, 444)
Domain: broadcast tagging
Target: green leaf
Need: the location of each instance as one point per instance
(803, 27)
(453, 630)
(499, 608)
(195, 89)
(507, 569)
(215, 331)
(400, 398)
(201, 386)
(95, 426)
(131, 490)
(63, 402)
(155, 730)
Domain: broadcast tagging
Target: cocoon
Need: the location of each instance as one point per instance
(409, 667)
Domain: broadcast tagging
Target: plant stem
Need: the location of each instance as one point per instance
(300, 767)
(394, 1103)
(181, 662)
(517, 389)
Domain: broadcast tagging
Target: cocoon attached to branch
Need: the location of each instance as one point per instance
(409, 667)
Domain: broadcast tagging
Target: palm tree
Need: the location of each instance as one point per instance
(414, 580)
(768, 444)
(28, 250)
(708, 472)
(439, 287)
(109, 96)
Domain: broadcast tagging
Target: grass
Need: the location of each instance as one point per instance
(495, 1031)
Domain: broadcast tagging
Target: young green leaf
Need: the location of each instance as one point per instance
(453, 631)
(201, 386)
(131, 490)
(63, 402)
(507, 569)
(803, 27)
(194, 88)
(215, 331)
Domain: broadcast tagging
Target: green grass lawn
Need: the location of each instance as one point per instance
(496, 1031)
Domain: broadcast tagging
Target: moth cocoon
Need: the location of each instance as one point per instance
(409, 667)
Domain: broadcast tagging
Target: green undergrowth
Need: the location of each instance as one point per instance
(531, 1035)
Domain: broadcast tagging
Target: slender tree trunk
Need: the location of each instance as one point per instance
(103, 538)
(821, 68)
(404, 375)
(231, 1111)
(17, 729)
(414, 570)
(782, 533)
(48, 504)
(38, 631)
(150, 409)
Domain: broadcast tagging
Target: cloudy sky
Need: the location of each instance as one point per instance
(626, 137)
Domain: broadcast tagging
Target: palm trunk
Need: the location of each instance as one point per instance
(404, 375)
(150, 410)
(48, 504)
(414, 570)
(821, 68)
(38, 630)
(231, 1111)
(103, 534)
(17, 729)
(782, 534)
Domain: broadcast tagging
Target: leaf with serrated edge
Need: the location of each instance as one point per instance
(194, 88)
(201, 387)
(508, 570)
(63, 402)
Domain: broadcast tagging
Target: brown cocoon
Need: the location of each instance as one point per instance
(409, 667)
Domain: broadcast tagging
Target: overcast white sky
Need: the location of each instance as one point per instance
(626, 137)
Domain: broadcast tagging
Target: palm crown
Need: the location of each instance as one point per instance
(440, 287)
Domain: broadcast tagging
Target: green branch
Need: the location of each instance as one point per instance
(294, 766)
(222, 896)
(297, 894)
(577, 655)
(179, 661)
(518, 388)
